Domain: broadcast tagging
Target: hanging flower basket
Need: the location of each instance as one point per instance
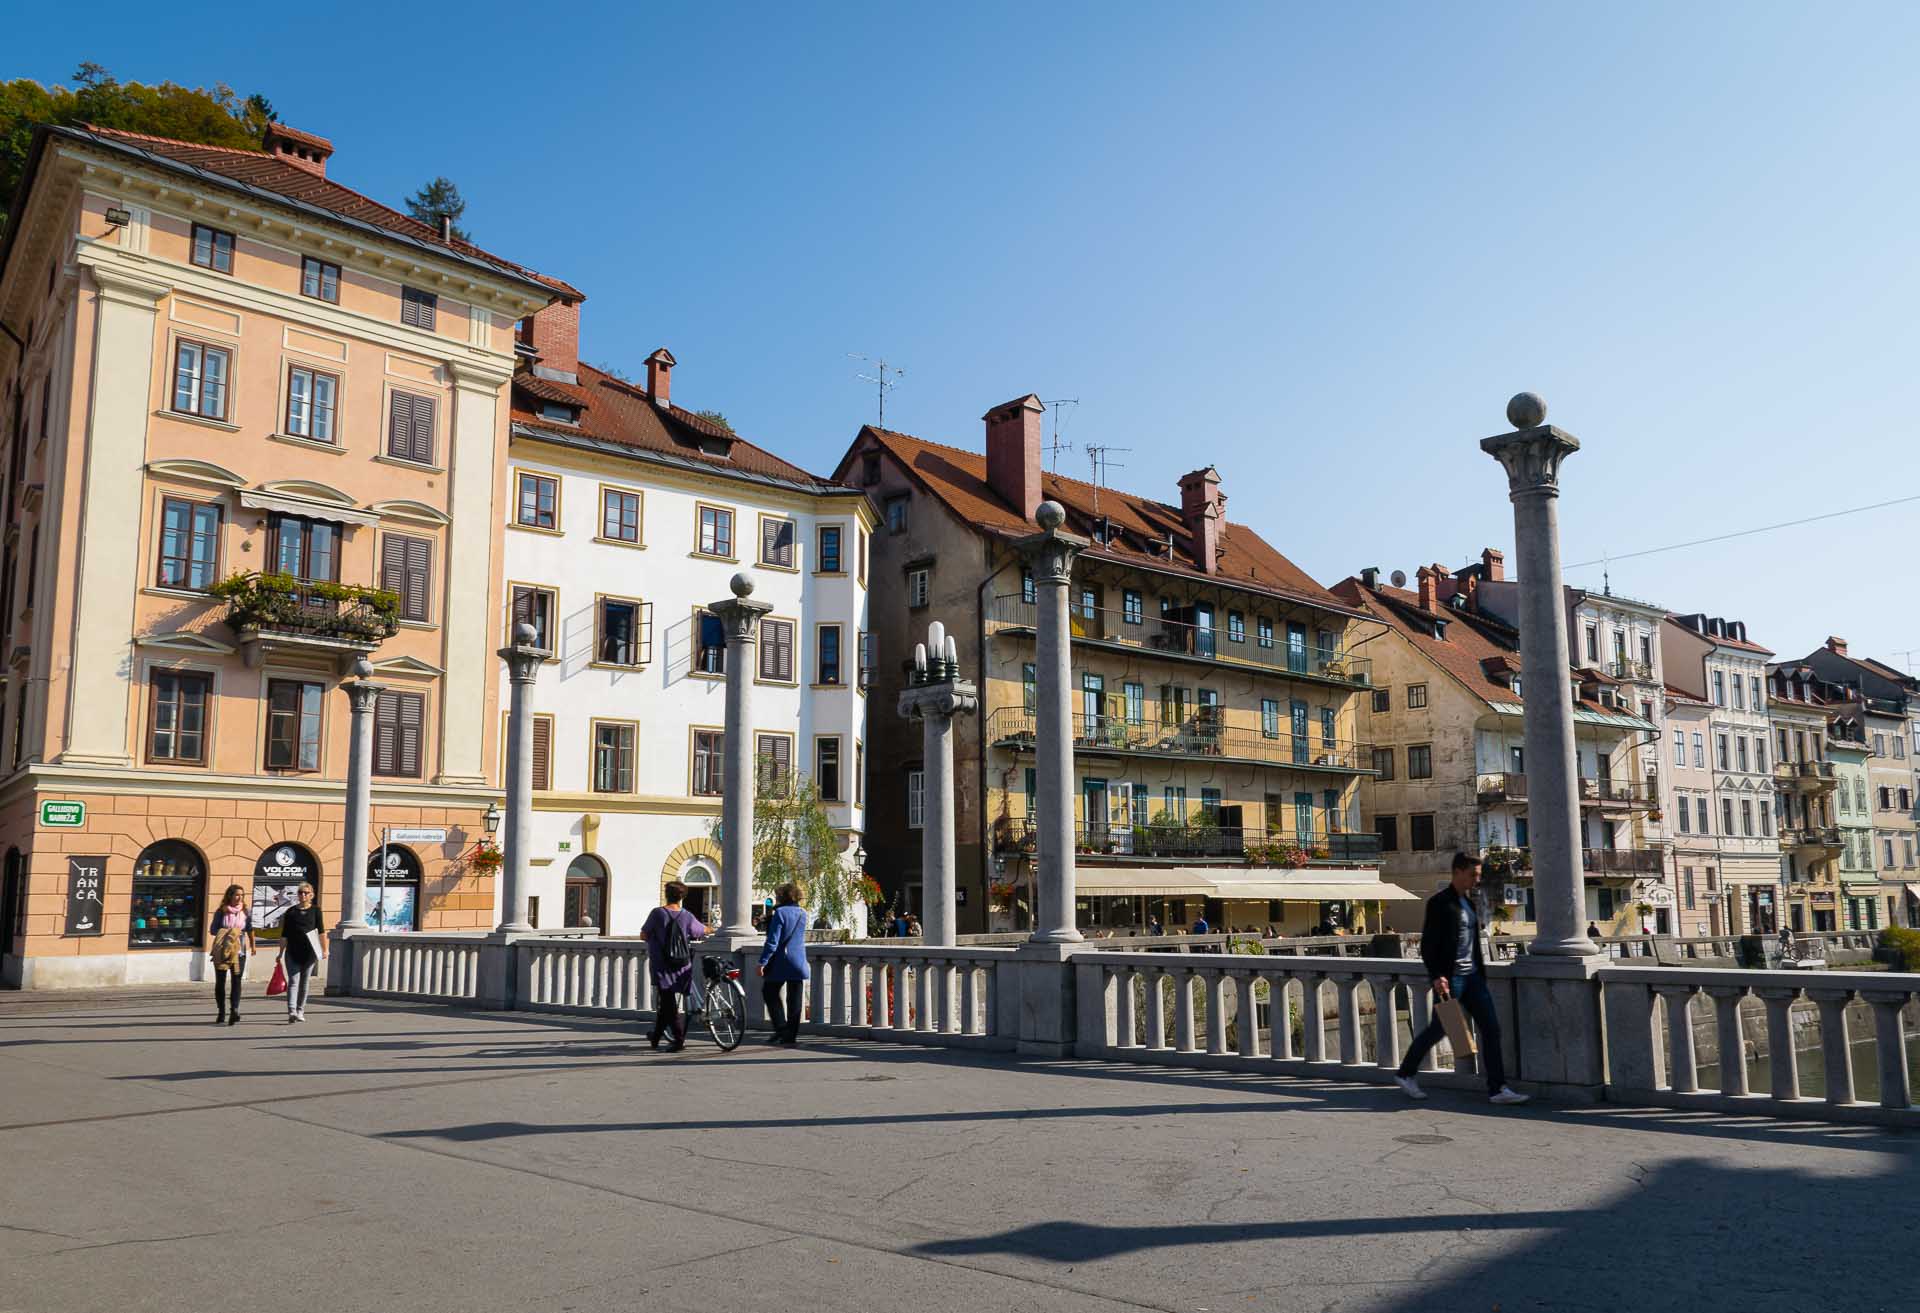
(485, 856)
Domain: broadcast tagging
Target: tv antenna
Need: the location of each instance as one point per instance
(1907, 657)
(1055, 447)
(1101, 459)
(884, 378)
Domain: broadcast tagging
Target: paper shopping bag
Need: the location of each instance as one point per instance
(277, 983)
(1459, 1034)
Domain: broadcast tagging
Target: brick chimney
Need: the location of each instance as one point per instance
(1493, 565)
(1429, 589)
(302, 150)
(1013, 452)
(1837, 646)
(1203, 511)
(554, 334)
(660, 375)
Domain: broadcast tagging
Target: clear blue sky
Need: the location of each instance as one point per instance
(1316, 249)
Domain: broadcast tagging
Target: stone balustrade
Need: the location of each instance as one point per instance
(417, 966)
(919, 995)
(607, 977)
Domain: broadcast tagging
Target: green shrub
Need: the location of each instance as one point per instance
(1904, 942)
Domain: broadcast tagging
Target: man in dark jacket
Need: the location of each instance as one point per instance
(1450, 949)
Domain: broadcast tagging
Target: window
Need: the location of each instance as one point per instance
(860, 539)
(625, 632)
(177, 717)
(189, 544)
(1746, 817)
(1136, 699)
(1593, 645)
(533, 605)
(776, 650)
(1686, 884)
(1646, 651)
(919, 588)
(1388, 828)
(1700, 815)
(869, 468)
(1327, 727)
(1699, 750)
(895, 511)
(397, 722)
(1210, 800)
(826, 768)
(1236, 627)
(1089, 604)
(319, 280)
(1416, 695)
(716, 532)
(212, 249)
(537, 501)
(828, 549)
(1720, 751)
(1886, 798)
(776, 542)
(1679, 749)
(417, 308)
(1906, 800)
(916, 800)
(773, 763)
(169, 886)
(1383, 764)
(1741, 745)
(867, 660)
(1382, 699)
(859, 773)
(1027, 592)
(1726, 816)
(1760, 753)
(1420, 761)
(1133, 606)
(1686, 824)
(306, 549)
(1899, 747)
(1766, 819)
(1879, 744)
(406, 571)
(1739, 695)
(410, 429)
(293, 724)
(1420, 833)
(709, 751)
(826, 646)
(620, 515)
(200, 379)
(1270, 717)
(1263, 632)
(310, 398)
(1029, 688)
(612, 757)
(1759, 702)
(1719, 689)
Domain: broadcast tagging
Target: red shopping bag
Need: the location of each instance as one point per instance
(277, 983)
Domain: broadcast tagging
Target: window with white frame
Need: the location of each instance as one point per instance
(916, 800)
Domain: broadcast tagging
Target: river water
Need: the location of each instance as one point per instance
(1813, 1071)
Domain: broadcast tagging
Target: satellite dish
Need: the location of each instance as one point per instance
(1399, 578)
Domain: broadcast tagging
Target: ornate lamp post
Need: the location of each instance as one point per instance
(935, 694)
(1049, 555)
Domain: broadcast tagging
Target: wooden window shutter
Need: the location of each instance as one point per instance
(386, 735)
(412, 708)
(783, 649)
(399, 424)
(393, 566)
(423, 429)
(419, 594)
(543, 752)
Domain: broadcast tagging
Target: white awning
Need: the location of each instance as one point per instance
(1141, 881)
(1337, 887)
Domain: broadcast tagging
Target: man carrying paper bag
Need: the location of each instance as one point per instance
(1450, 948)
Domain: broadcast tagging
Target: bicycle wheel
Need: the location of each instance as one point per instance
(727, 1014)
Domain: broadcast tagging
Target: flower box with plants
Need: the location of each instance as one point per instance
(485, 856)
(320, 607)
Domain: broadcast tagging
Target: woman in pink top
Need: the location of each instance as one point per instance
(231, 933)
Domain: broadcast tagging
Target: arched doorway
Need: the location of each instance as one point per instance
(702, 880)
(169, 896)
(393, 888)
(13, 898)
(586, 905)
(277, 878)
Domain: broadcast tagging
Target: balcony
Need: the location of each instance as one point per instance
(1517, 863)
(1197, 736)
(1616, 795)
(1807, 776)
(1199, 841)
(1500, 787)
(1202, 644)
(1638, 672)
(276, 612)
(1825, 837)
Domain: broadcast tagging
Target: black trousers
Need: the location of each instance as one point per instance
(226, 989)
(669, 1018)
(785, 1021)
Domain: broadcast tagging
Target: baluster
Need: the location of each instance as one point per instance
(1896, 1090)
(842, 990)
(1213, 991)
(1156, 1009)
(1313, 1021)
(969, 998)
(900, 986)
(923, 994)
(989, 1000)
(1280, 1015)
(1183, 1036)
(1683, 1070)
(865, 978)
(1386, 1021)
(1347, 986)
(1123, 1009)
(1834, 1048)
(1783, 1059)
(1247, 1012)
(1419, 1017)
(1733, 1042)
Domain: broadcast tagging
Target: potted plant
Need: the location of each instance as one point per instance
(486, 856)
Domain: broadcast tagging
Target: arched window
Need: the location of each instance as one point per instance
(169, 896)
(587, 894)
(277, 878)
(393, 888)
(702, 882)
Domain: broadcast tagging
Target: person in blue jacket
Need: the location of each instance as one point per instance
(783, 964)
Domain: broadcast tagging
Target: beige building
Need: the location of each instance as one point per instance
(1688, 801)
(256, 430)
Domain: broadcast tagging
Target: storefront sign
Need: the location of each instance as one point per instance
(86, 894)
(67, 814)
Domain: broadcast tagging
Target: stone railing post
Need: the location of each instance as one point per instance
(1782, 1059)
(523, 662)
(935, 695)
(740, 616)
(362, 693)
(1835, 1052)
(1049, 555)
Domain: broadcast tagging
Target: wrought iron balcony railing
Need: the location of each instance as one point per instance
(282, 605)
(1200, 840)
(1197, 735)
(1507, 863)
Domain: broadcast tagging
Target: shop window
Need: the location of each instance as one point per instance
(277, 878)
(393, 888)
(169, 893)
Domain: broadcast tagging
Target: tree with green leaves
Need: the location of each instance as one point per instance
(216, 117)
(439, 198)
(715, 418)
(793, 839)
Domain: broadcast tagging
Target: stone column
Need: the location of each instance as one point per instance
(935, 696)
(516, 832)
(1049, 555)
(1532, 455)
(741, 617)
(362, 693)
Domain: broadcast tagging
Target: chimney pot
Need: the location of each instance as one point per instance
(1370, 577)
(1013, 452)
(1429, 593)
(1203, 511)
(1837, 646)
(303, 150)
(554, 334)
(1493, 565)
(660, 375)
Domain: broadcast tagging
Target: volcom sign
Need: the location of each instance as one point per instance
(284, 863)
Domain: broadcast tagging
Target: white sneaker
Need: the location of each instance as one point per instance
(1507, 1094)
(1409, 1086)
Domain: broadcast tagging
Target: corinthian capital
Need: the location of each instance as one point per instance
(1532, 453)
(1049, 554)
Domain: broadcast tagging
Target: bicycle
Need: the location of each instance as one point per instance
(722, 1004)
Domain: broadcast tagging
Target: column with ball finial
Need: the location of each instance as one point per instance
(740, 616)
(523, 663)
(1050, 555)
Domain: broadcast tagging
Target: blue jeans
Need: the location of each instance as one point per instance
(1471, 989)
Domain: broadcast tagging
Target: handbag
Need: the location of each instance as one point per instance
(1453, 1018)
(277, 983)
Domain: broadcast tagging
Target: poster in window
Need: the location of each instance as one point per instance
(86, 895)
(277, 878)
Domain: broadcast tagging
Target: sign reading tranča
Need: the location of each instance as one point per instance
(63, 813)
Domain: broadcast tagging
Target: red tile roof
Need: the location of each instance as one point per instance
(613, 410)
(958, 478)
(258, 169)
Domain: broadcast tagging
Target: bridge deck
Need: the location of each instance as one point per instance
(382, 1156)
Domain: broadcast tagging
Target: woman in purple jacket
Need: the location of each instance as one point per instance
(670, 980)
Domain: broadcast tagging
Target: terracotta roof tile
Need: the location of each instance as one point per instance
(1466, 651)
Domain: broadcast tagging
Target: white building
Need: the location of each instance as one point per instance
(626, 516)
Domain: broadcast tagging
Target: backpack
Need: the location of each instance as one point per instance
(675, 951)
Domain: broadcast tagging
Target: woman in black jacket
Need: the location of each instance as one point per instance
(303, 947)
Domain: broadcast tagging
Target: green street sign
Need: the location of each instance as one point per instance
(63, 813)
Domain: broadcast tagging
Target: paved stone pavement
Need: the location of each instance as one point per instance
(381, 1157)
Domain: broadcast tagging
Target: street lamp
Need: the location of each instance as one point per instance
(491, 818)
